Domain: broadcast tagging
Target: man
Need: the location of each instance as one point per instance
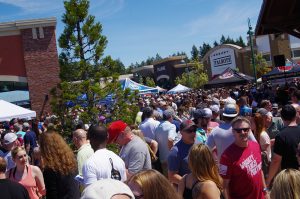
(10, 189)
(215, 114)
(178, 157)
(275, 111)
(286, 143)
(240, 165)
(134, 152)
(9, 143)
(103, 163)
(165, 135)
(29, 139)
(84, 148)
(149, 124)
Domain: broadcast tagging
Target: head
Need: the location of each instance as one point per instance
(10, 141)
(240, 128)
(144, 183)
(230, 112)
(188, 131)
(275, 108)
(259, 125)
(26, 126)
(168, 115)
(98, 137)
(19, 156)
(203, 166)
(147, 112)
(119, 132)
(79, 137)
(288, 114)
(56, 153)
(286, 185)
(215, 111)
(297, 107)
(266, 104)
(266, 116)
(107, 188)
(295, 96)
(202, 117)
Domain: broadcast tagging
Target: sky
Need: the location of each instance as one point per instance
(138, 29)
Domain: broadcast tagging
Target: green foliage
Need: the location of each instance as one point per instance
(204, 49)
(195, 53)
(148, 61)
(84, 71)
(261, 65)
(150, 82)
(195, 78)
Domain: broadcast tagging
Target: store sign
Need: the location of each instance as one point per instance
(222, 59)
(161, 68)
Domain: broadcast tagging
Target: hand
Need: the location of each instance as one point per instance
(267, 195)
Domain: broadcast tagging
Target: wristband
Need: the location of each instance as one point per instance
(266, 189)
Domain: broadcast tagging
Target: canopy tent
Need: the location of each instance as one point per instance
(288, 71)
(160, 89)
(229, 77)
(10, 111)
(132, 85)
(179, 89)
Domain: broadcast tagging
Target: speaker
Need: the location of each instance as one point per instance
(279, 60)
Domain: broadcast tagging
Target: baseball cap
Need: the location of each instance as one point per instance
(106, 189)
(215, 108)
(245, 111)
(115, 129)
(230, 110)
(10, 138)
(202, 113)
(26, 125)
(275, 105)
(262, 111)
(186, 124)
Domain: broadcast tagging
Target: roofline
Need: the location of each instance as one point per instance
(221, 46)
(173, 58)
(25, 24)
(260, 16)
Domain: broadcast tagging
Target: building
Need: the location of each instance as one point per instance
(29, 60)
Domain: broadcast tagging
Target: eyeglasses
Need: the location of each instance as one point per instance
(239, 130)
(138, 197)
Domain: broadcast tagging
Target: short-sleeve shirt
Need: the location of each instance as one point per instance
(30, 138)
(136, 155)
(178, 158)
(286, 145)
(242, 166)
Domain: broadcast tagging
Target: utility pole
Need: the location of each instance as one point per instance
(250, 33)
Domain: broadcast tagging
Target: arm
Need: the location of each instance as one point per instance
(39, 180)
(89, 174)
(27, 143)
(206, 190)
(181, 185)
(174, 177)
(274, 167)
(226, 188)
(154, 146)
(264, 185)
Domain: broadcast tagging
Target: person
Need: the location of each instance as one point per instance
(134, 151)
(178, 157)
(59, 167)
(204, 180)
(286, 142)
(84, 148)
(149, 124)
(103, 163)
(165, 135)
(241, 162)
(107, 189)
(298, 154)
(221, 137)
(10, 189)
(10, 141)
(27, 175)
(30, 140)
(150, 184)
(286, 185)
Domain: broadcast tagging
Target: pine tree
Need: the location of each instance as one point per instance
(195, 53)
(222, 40)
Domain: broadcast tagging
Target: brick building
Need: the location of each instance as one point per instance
(29, 60)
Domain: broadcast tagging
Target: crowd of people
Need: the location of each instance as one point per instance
(233, 143)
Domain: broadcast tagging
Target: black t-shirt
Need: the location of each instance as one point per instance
(286, 143)
(12, 190)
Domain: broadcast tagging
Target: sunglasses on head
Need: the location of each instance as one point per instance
(239, 130)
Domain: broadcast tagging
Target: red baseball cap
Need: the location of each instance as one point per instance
(115, 129)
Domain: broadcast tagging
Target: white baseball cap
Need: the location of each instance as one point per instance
(10, 138)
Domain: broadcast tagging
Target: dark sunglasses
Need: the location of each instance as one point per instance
(246, 130)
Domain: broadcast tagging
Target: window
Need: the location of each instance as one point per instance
(295, 52)
(267, 57)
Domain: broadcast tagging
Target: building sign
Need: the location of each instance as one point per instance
(222, 59)
(161, 68)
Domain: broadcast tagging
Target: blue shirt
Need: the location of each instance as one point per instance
(178, 158)
(30, 138)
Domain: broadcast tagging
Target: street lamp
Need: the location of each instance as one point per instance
(250, 33)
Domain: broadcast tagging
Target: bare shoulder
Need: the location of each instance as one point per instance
(35, 170)
(206, 189)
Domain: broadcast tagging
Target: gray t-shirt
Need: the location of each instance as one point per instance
(136, 155)
(222, 137)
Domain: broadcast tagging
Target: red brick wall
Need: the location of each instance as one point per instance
(42, 67)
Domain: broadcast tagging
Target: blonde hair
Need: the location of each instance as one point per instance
(16, 150)
(286, 185)
(203, 165)
(154, 185)
(56, 153)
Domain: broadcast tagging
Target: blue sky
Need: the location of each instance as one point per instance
(137, 29)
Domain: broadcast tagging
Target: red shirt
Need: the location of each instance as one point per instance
(242, 166)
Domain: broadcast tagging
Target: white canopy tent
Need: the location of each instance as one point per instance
(9, 111)
(160, 89)
(179, 89)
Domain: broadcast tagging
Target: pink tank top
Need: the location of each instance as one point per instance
(28, 182)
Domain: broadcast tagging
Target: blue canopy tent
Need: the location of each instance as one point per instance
(132, 85)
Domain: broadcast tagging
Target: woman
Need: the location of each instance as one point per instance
(286, 185)
(264, 141)
(27, 175)
(204, 180)
(60, 167)
(150, 184)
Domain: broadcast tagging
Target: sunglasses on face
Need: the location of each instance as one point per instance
(240, 130)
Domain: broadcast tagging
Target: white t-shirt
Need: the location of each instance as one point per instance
(265, 139)
(98, 166)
